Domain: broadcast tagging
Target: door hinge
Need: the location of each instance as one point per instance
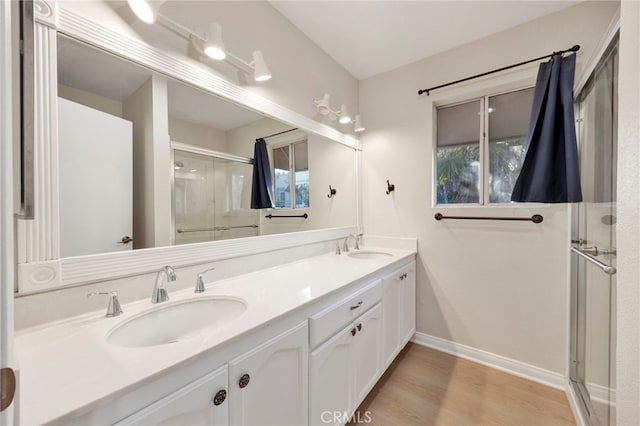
(7, 387)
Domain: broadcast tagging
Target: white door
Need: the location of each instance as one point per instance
(96, 180)
(202, 403)
(367, 352)
(407, 304)
(331, 380)
(7, 363)
(391, 315)
(269, 385)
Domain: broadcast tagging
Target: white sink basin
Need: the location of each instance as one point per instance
(369, 254)
(176, 322)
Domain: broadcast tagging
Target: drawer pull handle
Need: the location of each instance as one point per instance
(221, 395)
(359, 326)
(353, 331)
(403, 276)
(356, 306)
(244, 381)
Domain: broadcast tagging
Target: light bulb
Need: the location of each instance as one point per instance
(146, 11)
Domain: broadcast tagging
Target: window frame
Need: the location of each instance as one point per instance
(484, 171)
(290, 143)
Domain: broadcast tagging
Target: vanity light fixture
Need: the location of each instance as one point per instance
(214, 47)
(210, 45)
(344, 115)
(146, 10)
(261, 71)
(323, 106)
(358, 127)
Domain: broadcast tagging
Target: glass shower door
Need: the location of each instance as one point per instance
(593, 246)
(212, 198)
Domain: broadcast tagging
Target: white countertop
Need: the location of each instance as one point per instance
(69, 365)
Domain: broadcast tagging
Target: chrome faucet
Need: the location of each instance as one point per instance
(200, 281)
(345, 247)
(160, 294)
(114, 309)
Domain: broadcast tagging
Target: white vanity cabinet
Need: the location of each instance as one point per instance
(269, 385)
(201, 403)
(343, 370)
(399, 310)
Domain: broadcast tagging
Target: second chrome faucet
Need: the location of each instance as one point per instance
(165, 275)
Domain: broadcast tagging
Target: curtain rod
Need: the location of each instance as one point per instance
(572, 49)
(279, 133)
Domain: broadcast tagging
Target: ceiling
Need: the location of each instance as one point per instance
(372, 37)
(91, 70)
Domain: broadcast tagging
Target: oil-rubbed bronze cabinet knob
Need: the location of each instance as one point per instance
(244, 381)
(359, 326)
(353, 331)
(221, 395)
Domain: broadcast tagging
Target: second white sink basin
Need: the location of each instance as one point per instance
(369, 254)
(176, 322)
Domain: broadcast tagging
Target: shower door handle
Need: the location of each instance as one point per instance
(608, 269)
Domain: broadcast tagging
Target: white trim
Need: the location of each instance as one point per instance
(10, 415)
(598, 52)
(80, 270)
(575, 404)
(209, 152)
(38, 239)
(508, 365)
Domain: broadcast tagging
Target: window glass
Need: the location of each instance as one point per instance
(282, 180)
(458, 153)
(507, 129)
(301, 175)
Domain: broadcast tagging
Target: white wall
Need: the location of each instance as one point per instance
(498, 287)
(147, 110)
(91, 100)
(301, 70)
(197, 135)
(628, 225)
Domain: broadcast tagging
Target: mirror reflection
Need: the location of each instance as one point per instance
(148, 161)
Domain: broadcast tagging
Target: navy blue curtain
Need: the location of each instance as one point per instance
(262, 187)
(550, 171)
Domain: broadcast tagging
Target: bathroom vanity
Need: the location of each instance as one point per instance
(303, 343)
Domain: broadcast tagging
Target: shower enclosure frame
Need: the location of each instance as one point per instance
(578, 321)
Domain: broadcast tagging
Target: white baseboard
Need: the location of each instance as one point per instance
(508, 365)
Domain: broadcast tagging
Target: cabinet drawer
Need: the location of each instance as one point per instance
(327, 322)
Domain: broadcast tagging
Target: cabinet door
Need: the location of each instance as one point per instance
(331, 380)
(367, 352)
(203, 402)
(391, 324)
(269, 385)
(408, 304)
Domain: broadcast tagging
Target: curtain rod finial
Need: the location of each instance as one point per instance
(575, 48)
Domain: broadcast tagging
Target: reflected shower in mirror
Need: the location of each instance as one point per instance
(149, 161)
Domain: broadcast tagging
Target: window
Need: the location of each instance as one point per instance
(291, 176)
(480, 148)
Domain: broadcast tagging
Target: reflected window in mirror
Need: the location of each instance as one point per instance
(291, 175)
